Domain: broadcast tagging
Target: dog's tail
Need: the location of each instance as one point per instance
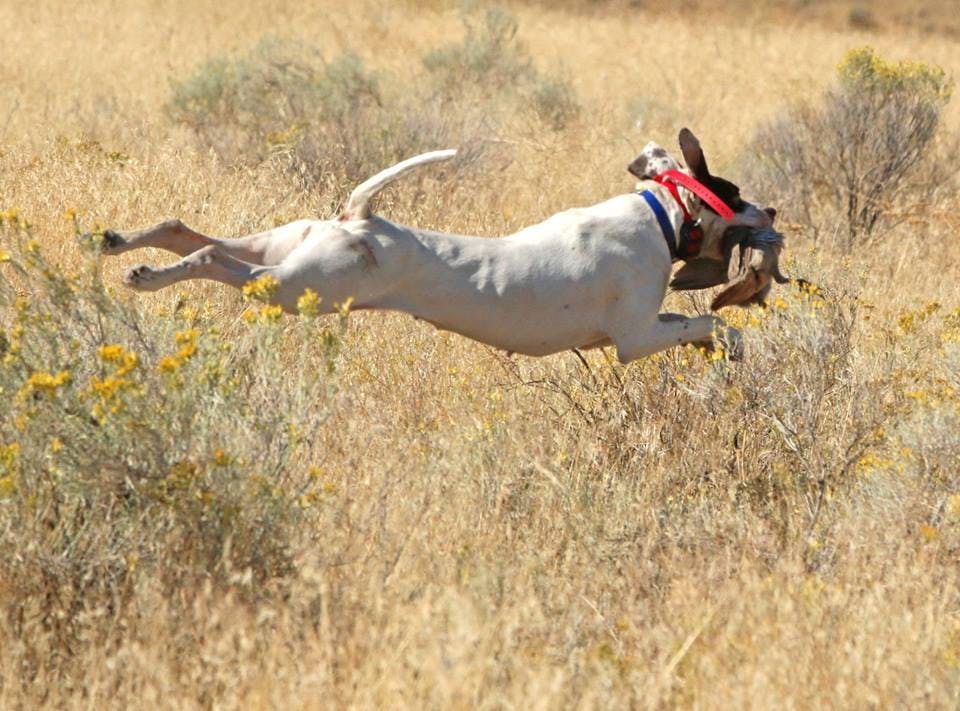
(358, 206)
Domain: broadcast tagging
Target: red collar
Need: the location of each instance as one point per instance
(671, 178)
(665, 181)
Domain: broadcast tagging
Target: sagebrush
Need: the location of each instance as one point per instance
(335, 122)
(863, 152)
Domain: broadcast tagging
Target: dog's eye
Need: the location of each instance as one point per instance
(736, 202)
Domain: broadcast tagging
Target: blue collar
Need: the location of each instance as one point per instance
(666, 226)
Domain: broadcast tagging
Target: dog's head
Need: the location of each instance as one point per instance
(746, 265)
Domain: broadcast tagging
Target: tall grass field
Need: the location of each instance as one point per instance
(205, 503)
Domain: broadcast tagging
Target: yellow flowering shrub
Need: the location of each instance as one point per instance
(146, 417)
(874, 131)
(864, 69)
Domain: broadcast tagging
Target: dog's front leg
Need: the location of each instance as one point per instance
(670, 330)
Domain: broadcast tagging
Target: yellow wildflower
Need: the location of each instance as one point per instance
(168, 364)
(10, 215)
(261, 289)
(188, 314)
(130, 361)
(187, 341)
(45, 382)
(183, 472)
(111, 353)
(8, 460)
(909, 321)
(4, 256)
(929, 533)
(221, 458)
(344, 308)
(271, 314)
(307, 500)
(308, 303)
(289, 136)
(187, 351)
(8, 455)
(109, 387)
(814, 290)
(871, 461)
(187, 336)
(114, 353)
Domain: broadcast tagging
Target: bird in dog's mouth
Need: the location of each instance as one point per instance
(751, 263)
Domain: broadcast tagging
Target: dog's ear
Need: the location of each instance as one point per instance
(700, 273)
(652, 161)
(693, 154)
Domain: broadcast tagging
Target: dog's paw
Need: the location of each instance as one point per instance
(726, 342)
(112, 242)
(731, 341)
(142, 278)
(104, 242)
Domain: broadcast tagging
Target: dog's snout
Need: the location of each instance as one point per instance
(772, 212)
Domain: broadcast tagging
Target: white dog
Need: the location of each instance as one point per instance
(583, 278)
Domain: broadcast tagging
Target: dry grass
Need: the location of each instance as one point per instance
(488, 532)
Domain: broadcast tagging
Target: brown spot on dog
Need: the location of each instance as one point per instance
(361, 246)
(306, 232)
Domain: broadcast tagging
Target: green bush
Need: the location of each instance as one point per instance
(490, 57)
(336, 123)
(129, 438)
(491, 61)
(282, 99)
(861, 155)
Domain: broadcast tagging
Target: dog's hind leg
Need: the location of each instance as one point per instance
(209, 262)
(171, 235)
(266, 248)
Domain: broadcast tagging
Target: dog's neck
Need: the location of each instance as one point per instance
(683, 206)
